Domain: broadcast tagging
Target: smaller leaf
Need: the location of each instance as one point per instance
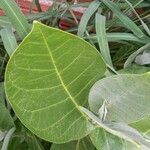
(133, 56)
(104, 140)
(121, 130)
(102, 38)
(144, 58)
(16, 17)
(118, 36)
(134, 69)
(86, 16)
(126, 96)
(9, 40)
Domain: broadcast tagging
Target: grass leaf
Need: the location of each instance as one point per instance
(16, 17)
(102, 38)
(86, 16)
(126, 20)
(9, 40)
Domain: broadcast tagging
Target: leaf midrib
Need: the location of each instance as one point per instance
(58, 74)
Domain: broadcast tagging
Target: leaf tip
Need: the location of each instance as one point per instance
(35, 21)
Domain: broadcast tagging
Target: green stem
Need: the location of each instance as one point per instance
(7, 138)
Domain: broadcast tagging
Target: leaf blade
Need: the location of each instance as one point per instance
(16, 17)
(102, 38)
(126, 20)
(9, 40)
(86, 16)
(122, 93)
(64, 82)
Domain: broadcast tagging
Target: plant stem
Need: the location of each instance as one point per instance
(7, 138)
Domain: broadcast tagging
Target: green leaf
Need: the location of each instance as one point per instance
(17, 143)
(6, 122)
(48, 77)
(19, 138)
(134, 69)
(132, 57)
(83, 144)
(33, 142)
(144, 58)
(9, 40)
(104, 140)
(102, 38)
(16, 17)
(7, 138)
(86, 17)
(126, 20)
(125, 96)
(2, 135)
(121, 130)
(142, 22)
(118, 36)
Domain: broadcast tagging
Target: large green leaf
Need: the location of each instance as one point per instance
(126, 97)
(47, 78)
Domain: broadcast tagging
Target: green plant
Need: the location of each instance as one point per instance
(48, 67)
(69, 94)
(48, 79)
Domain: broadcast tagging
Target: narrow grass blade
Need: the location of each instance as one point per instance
(118, 36)
(102, 38)
(9, 40)
(126, 20)
(86, 16)
(142, 22)
(16, 17)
